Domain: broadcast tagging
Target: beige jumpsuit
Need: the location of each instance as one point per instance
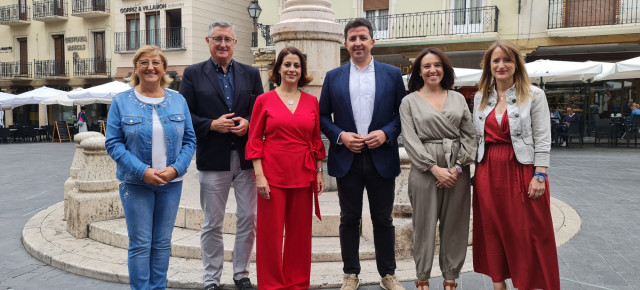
(432, 137)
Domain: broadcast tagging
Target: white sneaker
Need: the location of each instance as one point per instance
(564, 143)
(350, 282)
(390, 282)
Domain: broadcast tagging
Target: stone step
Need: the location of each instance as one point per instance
(45, 237)
(190, 214)
(186, 242)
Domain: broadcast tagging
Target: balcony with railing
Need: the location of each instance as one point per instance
(474, 20)
(90, 8)
(17, 14)
(16, 69)
(92, 67)
(169, 38)
(50, 10)
(265, 31)
(50, 69)
(589, 13)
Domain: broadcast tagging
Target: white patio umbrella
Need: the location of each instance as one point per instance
(35, 96)
(5, 100)
(104, 91)
(61, 99)
(626, 69)
(545, 71)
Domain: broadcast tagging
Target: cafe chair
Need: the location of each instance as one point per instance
(602, 129)
(632, 130)
(575, 130)
(5, 135)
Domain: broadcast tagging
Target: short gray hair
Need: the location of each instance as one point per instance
(223, 24)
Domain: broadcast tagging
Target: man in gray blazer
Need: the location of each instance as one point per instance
(220, 93)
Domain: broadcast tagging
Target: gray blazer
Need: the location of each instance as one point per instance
(530, 125)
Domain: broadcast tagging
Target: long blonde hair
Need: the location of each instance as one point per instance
(134, 80)
(520, 77)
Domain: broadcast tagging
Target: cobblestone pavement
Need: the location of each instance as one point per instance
(601, 184)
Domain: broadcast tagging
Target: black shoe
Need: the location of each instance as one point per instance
(212, 286)
(244, 284)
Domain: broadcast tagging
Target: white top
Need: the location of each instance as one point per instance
(362, 89)
(499, 118)
(158, 144)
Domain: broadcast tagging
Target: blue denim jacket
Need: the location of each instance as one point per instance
(130, 129)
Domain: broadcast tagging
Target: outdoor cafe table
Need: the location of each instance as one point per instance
(618, 124)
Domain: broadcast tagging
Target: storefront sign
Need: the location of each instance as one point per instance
(152, 7)
(76, 39)
(6, 49)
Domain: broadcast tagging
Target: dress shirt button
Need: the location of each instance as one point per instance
(165, 121)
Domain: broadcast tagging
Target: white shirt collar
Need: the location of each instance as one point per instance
(369, 66)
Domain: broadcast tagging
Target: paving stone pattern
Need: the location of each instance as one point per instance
(602, 184)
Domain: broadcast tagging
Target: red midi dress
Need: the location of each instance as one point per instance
(513, 235)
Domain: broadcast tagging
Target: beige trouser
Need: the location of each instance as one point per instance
(450, 207)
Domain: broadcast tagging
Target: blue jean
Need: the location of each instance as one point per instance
(150, 212)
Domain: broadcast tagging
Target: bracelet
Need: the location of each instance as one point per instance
(536, 174)
(319, 169)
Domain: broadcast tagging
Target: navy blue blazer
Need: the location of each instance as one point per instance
(202, 89)
(336, 116)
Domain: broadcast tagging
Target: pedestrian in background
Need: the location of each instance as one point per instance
(288, 167)
(151, 139)
(220, 92)
(82, 120)
(513, 233)
(438, 135)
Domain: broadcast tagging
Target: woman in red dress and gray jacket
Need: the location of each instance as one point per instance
(288, 168)
(513, 233)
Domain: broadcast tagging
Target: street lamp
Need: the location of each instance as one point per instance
(254, 12)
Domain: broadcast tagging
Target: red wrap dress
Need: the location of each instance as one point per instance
(513, 235)
(289, 151)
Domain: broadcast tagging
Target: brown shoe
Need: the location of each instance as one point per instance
(350, 282)
(420, 283)
(390, 282)
(449, 284)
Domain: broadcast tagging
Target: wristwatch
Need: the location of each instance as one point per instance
(319, 169)
(540, 176)
(458, 167)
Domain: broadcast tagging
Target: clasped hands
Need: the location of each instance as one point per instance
(227, 123)
(445, 178)
(159, 177)
(356, 143)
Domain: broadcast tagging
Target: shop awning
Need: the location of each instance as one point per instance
(5, 100)
(35, 96)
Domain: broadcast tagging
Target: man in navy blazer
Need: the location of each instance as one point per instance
(220, 93)
(359, 107)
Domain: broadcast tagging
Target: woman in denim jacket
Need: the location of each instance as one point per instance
(150, 136)
(513, 234)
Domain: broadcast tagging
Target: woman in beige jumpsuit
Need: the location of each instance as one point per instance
(440, 140)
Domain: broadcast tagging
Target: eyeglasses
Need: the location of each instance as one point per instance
(219, 40)
(145, 63)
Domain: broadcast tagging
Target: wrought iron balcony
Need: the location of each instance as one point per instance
(581, 13)
(170, 38)
(433, 23)
(265, 31)
(15, 69)
(15, 14)
(50, 68)
(92, 67)
(90, 8)
(49, 10)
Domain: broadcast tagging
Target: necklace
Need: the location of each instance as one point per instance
(290, 100)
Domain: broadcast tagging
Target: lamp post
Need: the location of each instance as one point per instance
(254, 12)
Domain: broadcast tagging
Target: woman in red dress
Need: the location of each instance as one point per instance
(513, 234)
(288, 168)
